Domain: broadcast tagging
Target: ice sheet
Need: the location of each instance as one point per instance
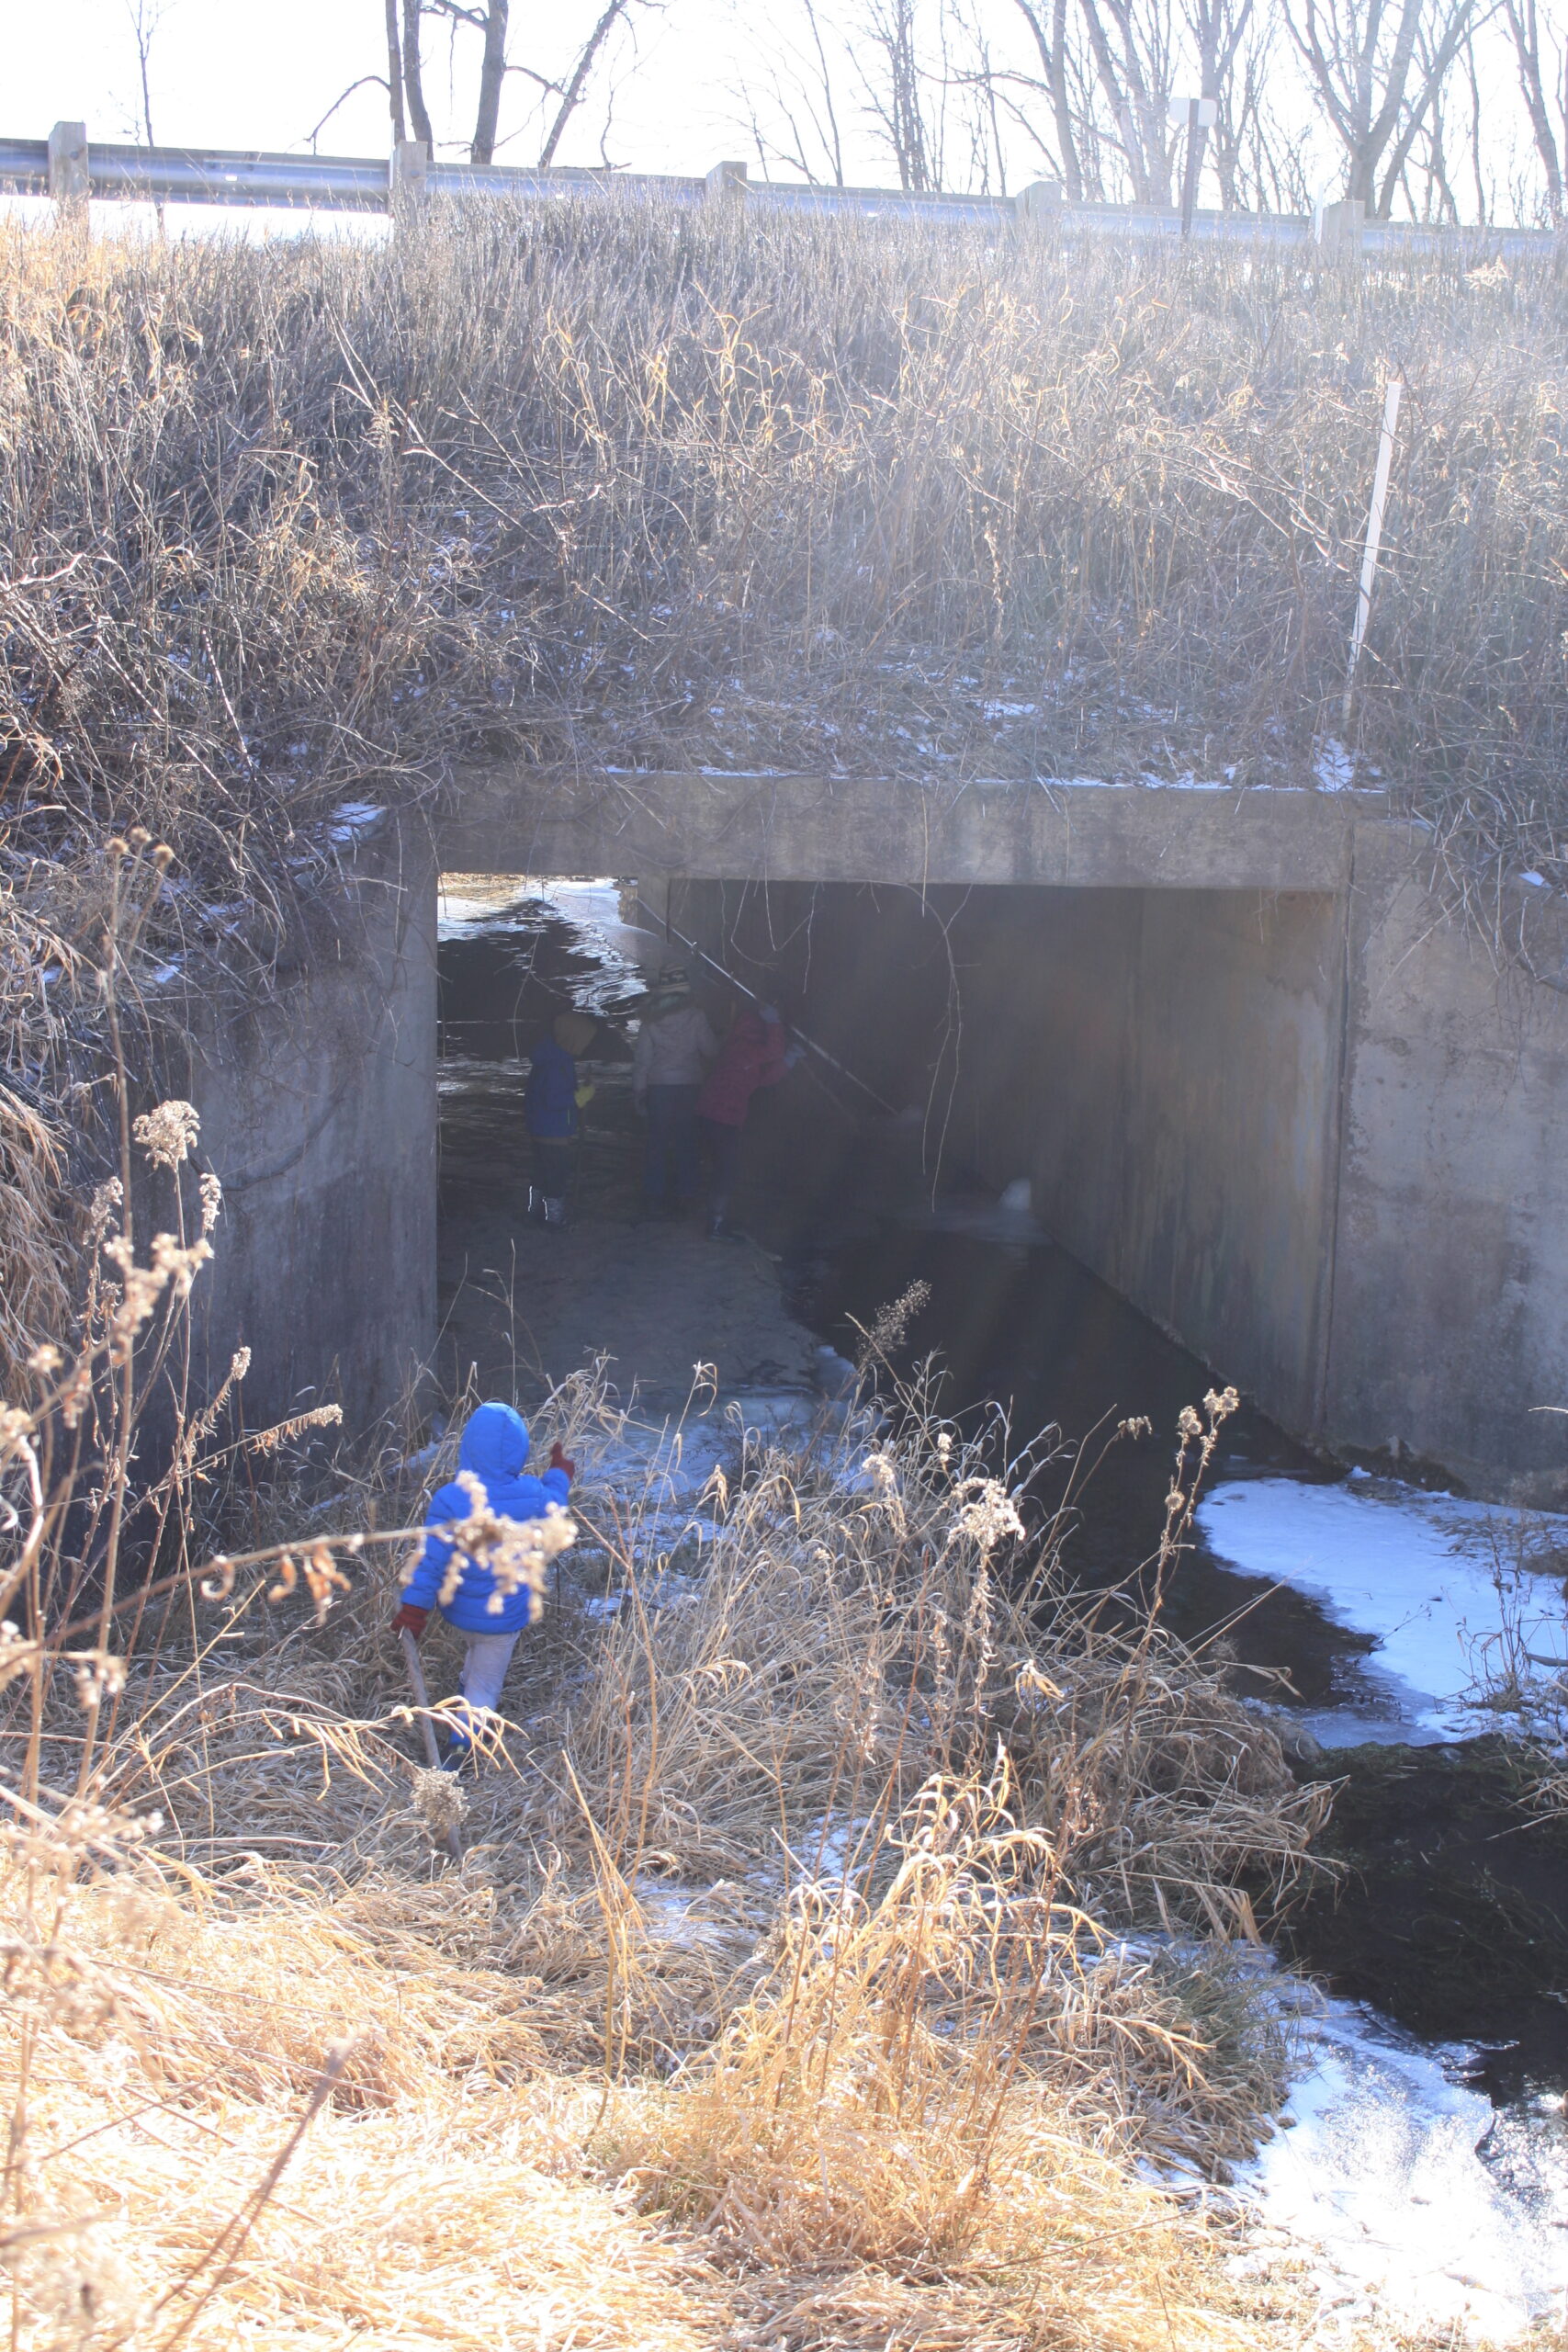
(1443, 1585)
(1420, 2199)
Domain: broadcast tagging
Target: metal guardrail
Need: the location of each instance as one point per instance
(68, 168)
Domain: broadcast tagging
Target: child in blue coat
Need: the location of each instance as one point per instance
(551, 1100)
(494, 1448)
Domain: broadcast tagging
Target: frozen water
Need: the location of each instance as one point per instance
(1334, 767)
(353, 818)
(1443, 1586)
(1422, 2200)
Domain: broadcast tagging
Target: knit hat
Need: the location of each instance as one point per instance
(573, 1032)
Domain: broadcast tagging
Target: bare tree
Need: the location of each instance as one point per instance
(1216, 30)
(413, 75)
(895, 84)
(794, 112)
(1134, 45)
(394, 76)
(558, 98)
(572, 93)
(1051, 45)
(1543, 81)
(145, 17)
(1376, 68)
(490, 20)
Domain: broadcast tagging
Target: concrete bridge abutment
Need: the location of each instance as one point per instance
(1259, 1082)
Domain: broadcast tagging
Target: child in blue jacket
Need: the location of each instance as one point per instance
(551, 1100)
(495, 1448)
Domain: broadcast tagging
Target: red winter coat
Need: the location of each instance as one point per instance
(751, 1056)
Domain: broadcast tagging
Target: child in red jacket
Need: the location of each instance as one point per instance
(756, 1053)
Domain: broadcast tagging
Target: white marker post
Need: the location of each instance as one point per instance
(1194, 116)
(1374, 538)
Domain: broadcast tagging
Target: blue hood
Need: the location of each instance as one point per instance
(495, 1444)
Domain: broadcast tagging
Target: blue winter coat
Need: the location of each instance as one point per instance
(549, 1099)
(495, 1446)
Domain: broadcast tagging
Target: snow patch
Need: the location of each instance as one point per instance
(1443, 1586)
(1334, 767)
(1422, 2201)
(1184, 782)
(352, 820)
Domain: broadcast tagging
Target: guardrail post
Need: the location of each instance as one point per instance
(69, 182)
(1039, 206)
(408, 181)
(726, 184)
(1339, 230)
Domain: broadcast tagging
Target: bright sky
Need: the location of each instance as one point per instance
(675, 96)
(261, 72)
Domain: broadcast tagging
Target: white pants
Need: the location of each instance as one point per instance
(485, 1660)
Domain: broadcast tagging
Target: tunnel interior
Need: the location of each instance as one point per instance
(965, 1072)
(1145, 1081)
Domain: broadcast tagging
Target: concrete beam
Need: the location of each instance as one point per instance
(848, 828)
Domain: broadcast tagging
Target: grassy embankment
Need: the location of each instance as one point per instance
(285, 525)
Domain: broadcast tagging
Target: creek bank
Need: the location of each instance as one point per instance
(1450, 1917)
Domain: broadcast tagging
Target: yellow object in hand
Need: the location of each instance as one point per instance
(584, 1094)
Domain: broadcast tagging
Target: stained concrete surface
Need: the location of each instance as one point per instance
(1077, 833)
(317, 1115)
(1260, 1081)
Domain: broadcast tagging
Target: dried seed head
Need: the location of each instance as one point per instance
(439, 1801)
(99, 1676)
(83, 2284)
(517, 1552)
(107, 1198)
(167, 1133)
(211, 1200)
(16, 1430)
(988, 1514)
(220, 1583)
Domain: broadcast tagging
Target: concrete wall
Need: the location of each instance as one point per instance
(1258, 1080)
(318, 1112)
(509, 819)
(1450, 1271)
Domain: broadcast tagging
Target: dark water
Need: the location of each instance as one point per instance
(1028, 1327)
(1454, 1915)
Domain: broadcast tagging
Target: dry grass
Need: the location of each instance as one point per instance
(843, 1914)
(771, 2002)
(787, 1995)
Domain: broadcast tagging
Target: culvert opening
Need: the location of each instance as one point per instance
(963, 1043)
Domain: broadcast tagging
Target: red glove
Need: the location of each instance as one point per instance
(410, 1618)
(559, 1462)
